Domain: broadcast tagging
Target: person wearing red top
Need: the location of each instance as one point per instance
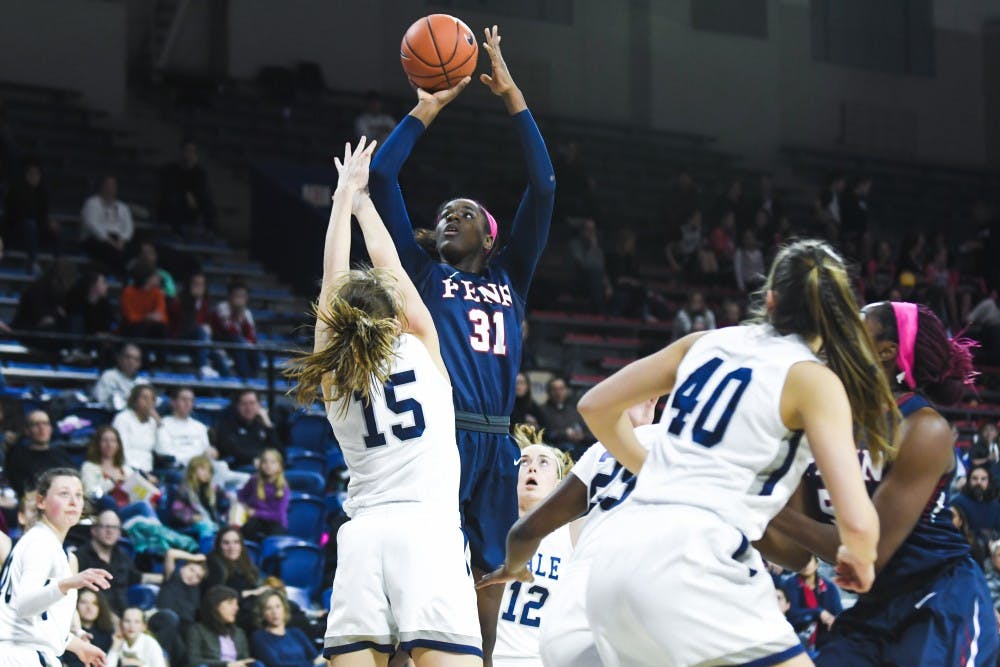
(144, 306)
(232, 322)
(190, 316)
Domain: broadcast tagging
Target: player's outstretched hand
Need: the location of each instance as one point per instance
(442, 98)
(94, 579)
(503, 574)
(353, 169)
(499, 81)
(853, 573)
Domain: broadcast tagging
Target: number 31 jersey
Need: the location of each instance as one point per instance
(725, 448)
(400, 446)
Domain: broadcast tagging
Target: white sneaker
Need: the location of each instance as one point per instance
(209, 373)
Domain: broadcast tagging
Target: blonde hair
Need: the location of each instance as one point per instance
(194, 484)
(280, 484)
(814, 300)
(526, 435)
(364, 321)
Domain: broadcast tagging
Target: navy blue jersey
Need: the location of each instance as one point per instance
(934, 542)
(478, 317)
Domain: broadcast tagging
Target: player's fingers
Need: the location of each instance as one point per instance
(338, 164)
(486, 78)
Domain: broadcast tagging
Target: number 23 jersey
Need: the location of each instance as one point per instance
(400, 446)
(726, 448)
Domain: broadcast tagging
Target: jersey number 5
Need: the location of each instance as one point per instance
(687, 398)
(484, 338)
(375, 437)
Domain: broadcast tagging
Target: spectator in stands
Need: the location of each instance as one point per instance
(26, 461)
(139, 426)
(26, 215)
(134, 646)
(216, 641)
(880, 273)
(854, 209)
(107, 226)
(232, 322)
(730, 314)
(43, 305)
(144, 305)
(942, 287)
(831, 196)
(815, 604)
(373, 122)
(526, 411)
(277, 645)
(985, 451)
(695, 316)
(748, 263)
(115, 384)
(189, 320)
(89, 308)
(984, 325)
(576, 186)
(200, 505)
(266, 496)
(766, 200)
(185, 196)
(96, 620)
(229, 565)
(182, 436)
(682, 252)
(245, 432)
(722, 238)
(103, 551)
(734, 199)
(105, 470)
(588, 261)
(915, 253)
(978, 502)
(11, 422)
(148, 255)
(563, 425)
(992, 568)
(980, 553)
(181, 593)
(628, 288)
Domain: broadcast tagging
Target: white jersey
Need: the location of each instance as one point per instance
(522, 611)
(401, 447)
(726, 448)
(34, 614)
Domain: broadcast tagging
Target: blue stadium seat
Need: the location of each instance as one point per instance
(305, 481)
(305, 517)
(333, 504)
(299, 596)
(301, 565)
(270, 548)
(311, 432)
(143, 596)
(253, 551)
(127, 546)
(307, 461)
(325, 597)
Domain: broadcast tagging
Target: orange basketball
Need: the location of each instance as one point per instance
(437, 52)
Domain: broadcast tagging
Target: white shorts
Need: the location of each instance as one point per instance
(676, 586)
(566, 639)
(402, 578)
(12, 655)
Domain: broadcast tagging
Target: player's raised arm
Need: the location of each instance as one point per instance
(530, 229)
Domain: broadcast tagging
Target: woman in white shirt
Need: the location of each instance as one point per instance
(135, 648)
(139, 427)
(105, 468)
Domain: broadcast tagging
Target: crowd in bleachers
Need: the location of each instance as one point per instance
(219, 518)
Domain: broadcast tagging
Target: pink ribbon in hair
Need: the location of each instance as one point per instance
(906, 327)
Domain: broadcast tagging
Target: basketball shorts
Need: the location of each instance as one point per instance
(23, 656)
(948, 621)
(402, 579)
(566, 639)
(675, 586)
(487, 494)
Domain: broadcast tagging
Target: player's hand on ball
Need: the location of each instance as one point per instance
(441, 98)
(354, 168)
(853, 573)
(503, 574)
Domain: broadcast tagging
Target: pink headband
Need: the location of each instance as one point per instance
(490, 219)
(906, 329)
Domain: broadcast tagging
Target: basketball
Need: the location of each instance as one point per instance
(437, 52)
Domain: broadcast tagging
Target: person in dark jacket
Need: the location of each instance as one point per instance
(216, 641)
(815, 604)
(245, 431)
(185, 197)
(26, 214)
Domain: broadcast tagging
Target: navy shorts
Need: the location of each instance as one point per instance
(487, 495)
(948, 622)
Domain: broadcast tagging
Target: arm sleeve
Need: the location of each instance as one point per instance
(383, 183)
(530, 229)
(34, 592)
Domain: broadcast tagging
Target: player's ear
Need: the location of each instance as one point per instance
(488, 242)
(770, 300)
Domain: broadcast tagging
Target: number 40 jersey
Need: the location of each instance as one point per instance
(400, 446)
(726, 448)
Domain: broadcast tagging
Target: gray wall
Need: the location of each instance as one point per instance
(66, 43)
(756, 95)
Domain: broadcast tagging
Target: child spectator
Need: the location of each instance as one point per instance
(133, 647)
(104, 470)
(96, 620)
(116, 384)
(139, 428)
(144, 305)
(266, 496)
(232, 322)
(200, 504)
(815, 604)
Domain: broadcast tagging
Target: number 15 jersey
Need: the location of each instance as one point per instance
(400, 446)
(726, 448)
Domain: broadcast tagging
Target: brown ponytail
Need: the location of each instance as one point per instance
(813, 298)
(363, 321)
